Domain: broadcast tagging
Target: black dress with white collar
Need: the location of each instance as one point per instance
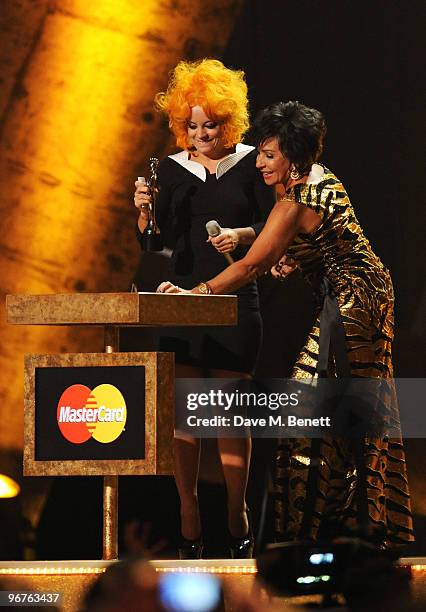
(189, 197)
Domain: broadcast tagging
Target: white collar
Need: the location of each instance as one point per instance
(241, 150)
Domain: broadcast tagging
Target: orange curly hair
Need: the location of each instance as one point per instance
(220, 91)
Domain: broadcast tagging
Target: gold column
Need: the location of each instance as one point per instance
(110, 489)
(110, 518)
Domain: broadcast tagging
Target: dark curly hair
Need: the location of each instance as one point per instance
(300, 132)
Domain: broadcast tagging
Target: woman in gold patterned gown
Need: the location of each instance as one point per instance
(359, 485)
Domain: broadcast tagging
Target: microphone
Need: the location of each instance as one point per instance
(213, 229)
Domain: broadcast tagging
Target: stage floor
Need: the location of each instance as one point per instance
(73, 578)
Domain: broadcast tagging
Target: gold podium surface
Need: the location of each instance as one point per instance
(121, 309)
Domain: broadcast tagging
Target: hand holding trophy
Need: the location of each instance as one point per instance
(151, 236)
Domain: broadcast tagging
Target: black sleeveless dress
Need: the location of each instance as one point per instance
(189, 197)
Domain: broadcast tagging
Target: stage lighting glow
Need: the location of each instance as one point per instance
(49, 571)
(78, 129)
(190, 592)
(8, 487)
(318, 558)
(312, 579)
(210, 569)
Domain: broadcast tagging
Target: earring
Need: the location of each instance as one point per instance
(294, 173)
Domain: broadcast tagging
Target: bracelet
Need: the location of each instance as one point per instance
(204, 288)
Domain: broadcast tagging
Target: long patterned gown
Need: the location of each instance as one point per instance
(320, 482)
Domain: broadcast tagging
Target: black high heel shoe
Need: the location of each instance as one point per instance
(242, 548)
(190, 549)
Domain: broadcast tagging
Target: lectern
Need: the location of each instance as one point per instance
(89, 416)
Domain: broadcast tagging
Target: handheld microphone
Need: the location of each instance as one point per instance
(213, 229)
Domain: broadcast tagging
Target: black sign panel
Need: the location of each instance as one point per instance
(93, 413)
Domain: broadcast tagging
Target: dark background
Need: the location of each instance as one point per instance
(361, 64)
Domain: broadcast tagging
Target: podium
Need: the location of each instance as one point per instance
(110, 311)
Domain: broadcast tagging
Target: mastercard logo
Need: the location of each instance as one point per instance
(99, 414)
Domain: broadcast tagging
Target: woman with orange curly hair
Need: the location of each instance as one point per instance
(213, 178)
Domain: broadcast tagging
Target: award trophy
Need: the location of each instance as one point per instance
(151, 236)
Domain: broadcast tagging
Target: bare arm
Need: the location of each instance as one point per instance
(286, 220)
(246, 235)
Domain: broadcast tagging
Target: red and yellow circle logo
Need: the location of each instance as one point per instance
(100, 414)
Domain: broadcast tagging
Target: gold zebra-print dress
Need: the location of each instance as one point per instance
(319, 482)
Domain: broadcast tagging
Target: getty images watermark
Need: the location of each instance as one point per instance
(293, 408)
(231, 401)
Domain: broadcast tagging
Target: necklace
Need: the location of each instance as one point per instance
(284, 197)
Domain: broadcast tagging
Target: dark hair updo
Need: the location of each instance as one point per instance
(300, 132)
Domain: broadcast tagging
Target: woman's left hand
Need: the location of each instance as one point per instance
(168, 287)
(226, 242)
(283, 268)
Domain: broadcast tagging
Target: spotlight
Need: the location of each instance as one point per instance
(10, 474)
(8, 487)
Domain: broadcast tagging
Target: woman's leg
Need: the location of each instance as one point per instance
(186, 462)
(235, 459)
